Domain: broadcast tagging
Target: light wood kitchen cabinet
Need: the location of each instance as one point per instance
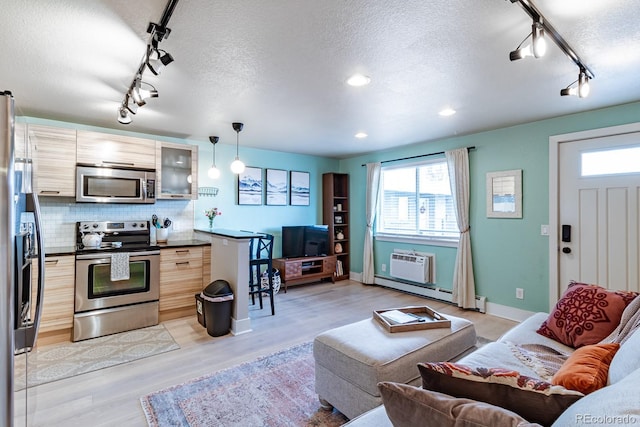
(53, 151)
(105, 149)
(176, 171)
(206, 266)
(59, 295)
(180, 280)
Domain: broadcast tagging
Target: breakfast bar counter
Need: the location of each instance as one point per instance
(230, 262)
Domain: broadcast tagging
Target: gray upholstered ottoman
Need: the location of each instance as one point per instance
(352, 359)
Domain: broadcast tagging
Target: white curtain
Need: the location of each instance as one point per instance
(373, 188)
(464, 292)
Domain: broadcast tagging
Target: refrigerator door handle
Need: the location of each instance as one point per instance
(39, 243)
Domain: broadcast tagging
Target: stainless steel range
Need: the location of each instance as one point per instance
(117, 280)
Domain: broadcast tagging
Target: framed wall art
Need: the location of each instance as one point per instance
(250, 186)
(299, 188)
(504, 194)
(277, 187)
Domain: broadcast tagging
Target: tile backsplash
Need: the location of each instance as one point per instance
(59, 217)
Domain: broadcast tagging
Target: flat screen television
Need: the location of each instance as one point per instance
(305, 240)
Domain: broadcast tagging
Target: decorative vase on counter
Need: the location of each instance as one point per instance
(210, 222)
(162, 235)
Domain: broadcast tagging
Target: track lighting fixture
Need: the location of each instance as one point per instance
(123, 115)
(537, 48)
(237, 166)
(541, 28)
(214, 172)
(139, 94)
(155, 59)
(582, 90)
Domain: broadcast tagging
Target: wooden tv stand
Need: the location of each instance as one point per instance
(294, 271)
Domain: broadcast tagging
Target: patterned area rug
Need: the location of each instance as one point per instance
(55, 362)
(275, 390)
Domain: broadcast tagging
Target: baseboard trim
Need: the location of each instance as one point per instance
(498, 310)
(506, 312)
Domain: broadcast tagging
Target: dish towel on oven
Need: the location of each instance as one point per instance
(119, 266)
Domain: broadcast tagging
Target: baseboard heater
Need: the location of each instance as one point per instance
(428, 291)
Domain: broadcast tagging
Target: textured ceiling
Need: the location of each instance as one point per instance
(280, 67)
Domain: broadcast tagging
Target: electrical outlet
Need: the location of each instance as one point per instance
(384, 267)
(544, 230)
(519, 293)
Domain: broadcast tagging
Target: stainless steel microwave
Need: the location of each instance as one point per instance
(98, 184)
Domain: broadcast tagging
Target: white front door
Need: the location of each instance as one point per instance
(598, 211)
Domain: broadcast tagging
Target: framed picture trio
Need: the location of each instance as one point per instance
(277, 187)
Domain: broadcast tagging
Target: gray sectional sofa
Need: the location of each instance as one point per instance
(523, 350)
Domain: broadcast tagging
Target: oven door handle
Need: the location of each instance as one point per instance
(108, 255)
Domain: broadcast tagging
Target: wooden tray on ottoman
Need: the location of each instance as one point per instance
(427, 318)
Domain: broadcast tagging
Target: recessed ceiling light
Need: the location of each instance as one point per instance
(360, 135)
(447, 112)
(358, 80)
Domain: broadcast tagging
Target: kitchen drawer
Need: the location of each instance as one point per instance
(180, 277)
(59, 293)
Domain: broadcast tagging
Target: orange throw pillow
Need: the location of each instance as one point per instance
(586, 370)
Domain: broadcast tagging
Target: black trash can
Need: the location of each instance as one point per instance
(217, 299)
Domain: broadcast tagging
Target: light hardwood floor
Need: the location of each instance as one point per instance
(110, 397)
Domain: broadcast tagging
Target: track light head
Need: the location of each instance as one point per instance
(583, 88)
(157, 64)
(139, 94)
(538, 42)
(538, 46)
(123, 115)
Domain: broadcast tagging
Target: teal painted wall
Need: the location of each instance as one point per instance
(263, 218)
(507, 253)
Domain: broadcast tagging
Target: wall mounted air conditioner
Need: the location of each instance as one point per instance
(419, 268)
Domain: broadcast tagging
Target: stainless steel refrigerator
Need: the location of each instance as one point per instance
(21, 243)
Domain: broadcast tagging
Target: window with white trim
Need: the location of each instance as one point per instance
(416, 202)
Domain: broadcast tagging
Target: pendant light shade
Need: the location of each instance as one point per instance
(214, 172)
(237, 166)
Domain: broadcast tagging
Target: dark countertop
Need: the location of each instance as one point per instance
(178, 243)
(60, 251)
(234, 234)
(71, 250)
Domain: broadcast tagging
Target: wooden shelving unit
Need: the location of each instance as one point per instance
(335, 213)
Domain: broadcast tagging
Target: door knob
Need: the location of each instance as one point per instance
(566, 250)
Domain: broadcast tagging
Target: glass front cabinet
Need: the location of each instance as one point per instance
(176, 171)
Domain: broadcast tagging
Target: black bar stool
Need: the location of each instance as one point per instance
(261, 262)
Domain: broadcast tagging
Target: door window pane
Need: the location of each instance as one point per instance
(610, 162)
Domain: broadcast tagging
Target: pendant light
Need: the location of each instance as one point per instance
(214, 172)
(237, 166)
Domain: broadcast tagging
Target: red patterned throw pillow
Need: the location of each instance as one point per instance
(532, 398)
(585, 314)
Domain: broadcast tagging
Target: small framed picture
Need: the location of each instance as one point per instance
(338, 220)
(504, 194)
(277, 187)
(300, 188)
(250, 186)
